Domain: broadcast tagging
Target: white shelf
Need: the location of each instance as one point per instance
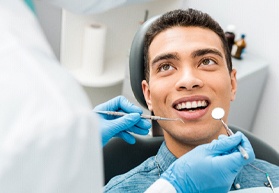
(248, 65)
(120, 33)
(113, 74)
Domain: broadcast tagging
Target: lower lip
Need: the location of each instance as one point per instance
(192, 115)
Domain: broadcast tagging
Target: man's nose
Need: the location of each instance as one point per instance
(188, 79)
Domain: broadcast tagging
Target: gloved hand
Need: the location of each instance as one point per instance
(210, 168)
(112, 126)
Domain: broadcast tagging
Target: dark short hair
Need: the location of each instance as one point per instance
(184, 18)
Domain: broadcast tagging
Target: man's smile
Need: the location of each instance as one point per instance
(191, 105)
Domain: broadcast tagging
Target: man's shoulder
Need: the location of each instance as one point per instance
(254, 174)
(264, 163)
(136, 180)
(262, 166)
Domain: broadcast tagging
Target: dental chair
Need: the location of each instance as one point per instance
(120, 157)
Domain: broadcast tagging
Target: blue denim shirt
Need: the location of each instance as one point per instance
(140, 178)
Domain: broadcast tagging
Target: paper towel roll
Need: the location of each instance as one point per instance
(93, 49)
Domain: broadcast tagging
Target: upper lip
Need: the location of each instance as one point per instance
(190, 99)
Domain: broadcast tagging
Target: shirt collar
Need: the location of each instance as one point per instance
(164, 157)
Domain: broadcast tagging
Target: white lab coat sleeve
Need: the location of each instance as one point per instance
(49, 139)
(161, 186)
(91, 6)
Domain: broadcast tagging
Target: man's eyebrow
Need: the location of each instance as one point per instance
(165, 57)
(202, 52)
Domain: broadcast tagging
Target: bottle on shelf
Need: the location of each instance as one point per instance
(238, 47)
(230, 35)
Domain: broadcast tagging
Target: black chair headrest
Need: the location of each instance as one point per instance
(136, 61)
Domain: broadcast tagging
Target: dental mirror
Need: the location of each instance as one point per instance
(218, 113)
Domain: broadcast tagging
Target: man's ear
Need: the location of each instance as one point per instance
(233, 85)
(146, 93)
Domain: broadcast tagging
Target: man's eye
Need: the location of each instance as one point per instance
(208, 62)
(165, 67)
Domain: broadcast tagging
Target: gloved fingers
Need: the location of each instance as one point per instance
(245, 143)
(119, 103)
(127, 106)
(138, 130)
(131, 125)
(125, 123)
(225, 144)
(110, 105)
(144, 124)
(222, 136)
(142, 127)
(233, 162)
(233, 154)
(127, 137)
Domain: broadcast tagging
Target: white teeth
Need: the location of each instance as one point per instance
(191, 105)
(188, 105)
(203, 103)
(194, 104)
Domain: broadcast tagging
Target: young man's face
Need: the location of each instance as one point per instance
(188, 79)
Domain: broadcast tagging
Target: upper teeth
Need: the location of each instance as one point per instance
(190, 105)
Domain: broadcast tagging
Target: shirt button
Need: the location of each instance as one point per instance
(237, 186)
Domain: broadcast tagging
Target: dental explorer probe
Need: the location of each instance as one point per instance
(218, 113)
(152, 117)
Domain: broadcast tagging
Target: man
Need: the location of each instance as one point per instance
(49, 134)
(188, 73)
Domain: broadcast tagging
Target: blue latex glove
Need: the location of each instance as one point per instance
(114, 126)
(210, 168)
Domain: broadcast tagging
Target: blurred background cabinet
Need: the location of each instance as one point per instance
(251, 76)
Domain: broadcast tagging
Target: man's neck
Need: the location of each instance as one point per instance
(178, 149)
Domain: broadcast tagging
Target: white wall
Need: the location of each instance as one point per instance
(259, 20)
